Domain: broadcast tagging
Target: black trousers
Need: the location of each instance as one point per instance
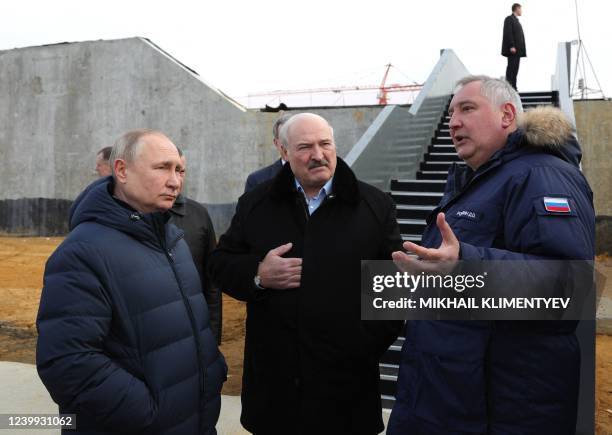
(512, 69)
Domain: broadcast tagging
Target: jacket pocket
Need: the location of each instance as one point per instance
(444, 382)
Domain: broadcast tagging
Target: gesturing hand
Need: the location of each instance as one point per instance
(440, 260)
(276, 272)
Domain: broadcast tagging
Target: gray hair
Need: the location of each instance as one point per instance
(106, 152)
(497, 91)
(128, 145)
(279, 123)
(284, 130)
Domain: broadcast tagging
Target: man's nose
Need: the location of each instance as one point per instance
(174, 180)
(317, 153)
(454, 122)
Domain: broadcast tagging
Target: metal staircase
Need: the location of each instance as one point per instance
(416, 198)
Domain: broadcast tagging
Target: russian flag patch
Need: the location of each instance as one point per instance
(556, 205)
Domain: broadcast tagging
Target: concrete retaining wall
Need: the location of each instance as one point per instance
(61, 103)
(594, 127)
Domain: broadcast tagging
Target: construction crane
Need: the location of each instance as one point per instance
(382, 95)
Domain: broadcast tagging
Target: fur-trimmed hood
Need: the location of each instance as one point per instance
(545, 126)
(549, 128)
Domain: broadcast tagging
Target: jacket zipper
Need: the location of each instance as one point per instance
(194, 328)
(457, 195)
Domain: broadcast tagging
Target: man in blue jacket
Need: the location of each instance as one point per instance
(498, 377)
(124, 335)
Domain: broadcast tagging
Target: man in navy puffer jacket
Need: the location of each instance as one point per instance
(124, 336)
(499, 377)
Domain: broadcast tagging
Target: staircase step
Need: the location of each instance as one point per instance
(387, 401)
(441, 149)
(432, 175)
(412, 226)
(441, 141)
(416, 198)
(406, 211)
(438, 166)
(388, 369)
(392, 356)
(388, 385)
(549, 94)
(440, 135)
(414, 238)
(418, 185)
(441, 157)
(534, 101)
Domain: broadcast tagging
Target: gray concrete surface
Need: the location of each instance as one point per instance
(22, 392)
(594, 128)
(61, 103)
(604, 294)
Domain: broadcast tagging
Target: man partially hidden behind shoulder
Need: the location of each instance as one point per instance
(264, 174)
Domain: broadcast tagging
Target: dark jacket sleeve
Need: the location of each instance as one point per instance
(212, 292)
(380, 334)
(232, 266)
(73, 320)
(508, 37)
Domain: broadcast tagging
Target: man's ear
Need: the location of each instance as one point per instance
(120, 169)
(508, 115)
(277, 144)
(284, 153)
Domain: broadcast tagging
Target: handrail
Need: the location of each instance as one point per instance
(394, 144)
(441, 81)
(365, 139)
(561, 80)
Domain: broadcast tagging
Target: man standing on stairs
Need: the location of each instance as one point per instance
(496, 377)
(513, 43)
(293, 252)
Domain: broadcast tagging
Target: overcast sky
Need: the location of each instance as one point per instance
(243, 47)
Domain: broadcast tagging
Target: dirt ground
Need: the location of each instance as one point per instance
(22, 262)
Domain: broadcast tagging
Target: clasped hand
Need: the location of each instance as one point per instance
(277, 272)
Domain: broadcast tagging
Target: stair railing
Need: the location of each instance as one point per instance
(561, 80)
(392, 147)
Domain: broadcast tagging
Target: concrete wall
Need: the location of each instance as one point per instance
(61, 103)
(349, 124)
(594, 128)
